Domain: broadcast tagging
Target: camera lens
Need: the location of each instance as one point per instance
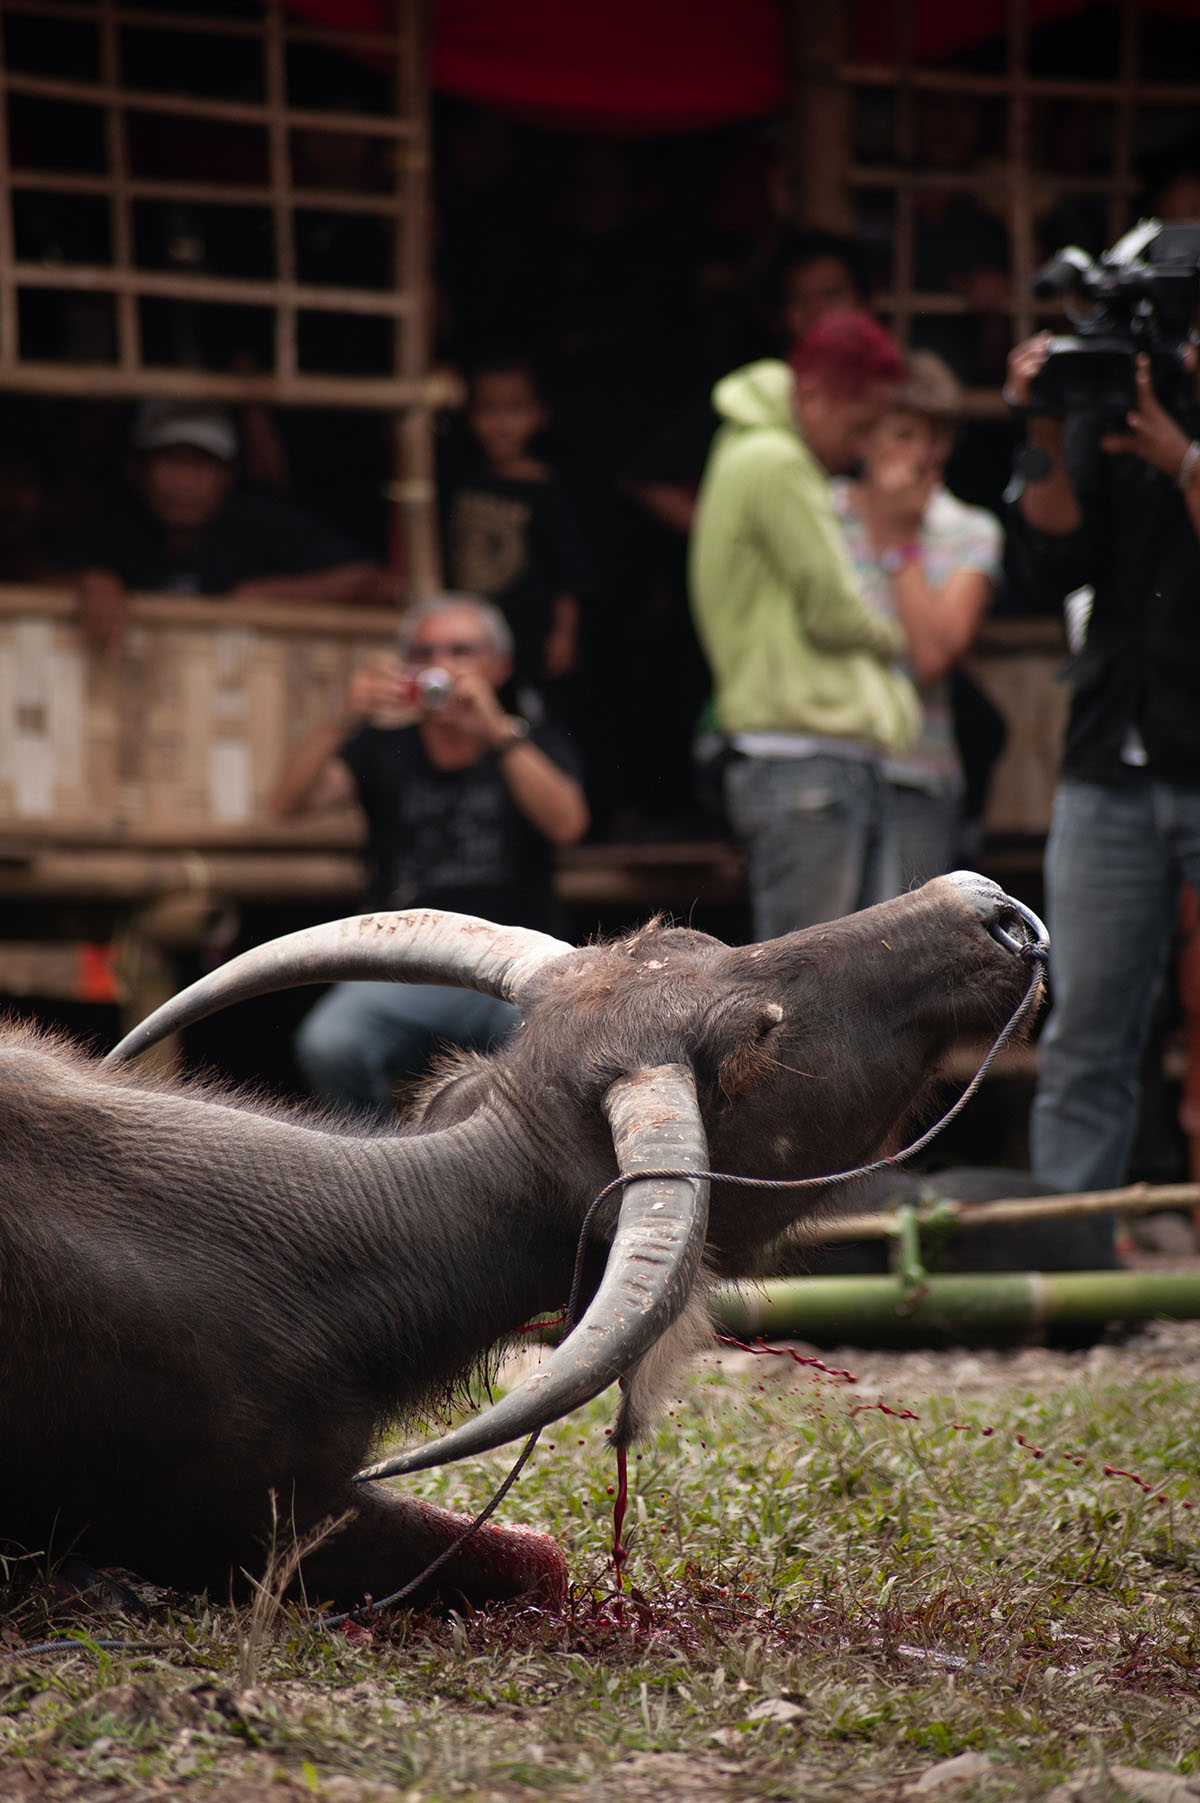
(433, 687)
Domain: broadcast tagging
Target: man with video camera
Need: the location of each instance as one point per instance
(1108, 521)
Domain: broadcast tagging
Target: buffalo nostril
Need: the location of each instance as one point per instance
(1018, 929)
(1009, 930)
(1010, 923)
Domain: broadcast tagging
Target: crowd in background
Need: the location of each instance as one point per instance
(634, 324)
(593, 291)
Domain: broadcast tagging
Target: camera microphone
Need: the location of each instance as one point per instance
(1065, 269)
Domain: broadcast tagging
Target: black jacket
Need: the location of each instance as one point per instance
(1139, 666)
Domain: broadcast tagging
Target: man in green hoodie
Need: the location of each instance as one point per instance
(806, 687)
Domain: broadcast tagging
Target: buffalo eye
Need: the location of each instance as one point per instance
(750, 1062)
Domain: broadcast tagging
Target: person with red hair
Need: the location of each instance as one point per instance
(807, 691)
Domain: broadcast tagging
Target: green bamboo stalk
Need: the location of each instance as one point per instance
(996, 1308)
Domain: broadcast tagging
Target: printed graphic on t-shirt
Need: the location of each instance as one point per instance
(467, 845)
(489, 541)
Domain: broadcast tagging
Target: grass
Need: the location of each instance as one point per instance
(823, 1599)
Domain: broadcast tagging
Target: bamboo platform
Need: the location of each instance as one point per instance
(128, 773)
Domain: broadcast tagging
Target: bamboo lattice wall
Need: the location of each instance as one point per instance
(170, 173)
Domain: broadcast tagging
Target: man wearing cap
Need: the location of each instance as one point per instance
(190, 529)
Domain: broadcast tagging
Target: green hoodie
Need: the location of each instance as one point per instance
(791, 643)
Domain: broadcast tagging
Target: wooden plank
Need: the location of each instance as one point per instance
(181, 732)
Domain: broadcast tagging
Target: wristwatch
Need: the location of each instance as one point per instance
(518, 732)
(893, 560)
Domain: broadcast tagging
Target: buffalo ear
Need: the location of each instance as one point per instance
(752, 1056)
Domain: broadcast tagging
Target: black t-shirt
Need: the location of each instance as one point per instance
(1139, 666)
(452, 838)
(519, 545)
(253, 535)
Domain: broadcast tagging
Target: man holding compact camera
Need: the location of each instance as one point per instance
(464, 803)
(1108, 522)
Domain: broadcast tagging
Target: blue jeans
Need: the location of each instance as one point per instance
(927, 834)
(1114, 862)
(819, 837)
(361, 1036)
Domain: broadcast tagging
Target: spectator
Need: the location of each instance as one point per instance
(189, 528)
(1116, 515)
(806, 688)
(463, 805)
(657, 661)
(812, 273)
(930, 561)
(511, 532)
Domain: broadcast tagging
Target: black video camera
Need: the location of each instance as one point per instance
(1142, 295)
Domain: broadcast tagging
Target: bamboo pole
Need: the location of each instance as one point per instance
(1003, 1307)
(1134, 1199)
(128, 324)
(353, 37)
(129, 875)
(10, 348)
(231, 112)
(819, 123)
(279, 164)
(1054, 87)
(98, 380)
(412, 491)
(219, 194)
(73, 277)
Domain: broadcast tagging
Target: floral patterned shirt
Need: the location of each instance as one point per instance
(953, 537)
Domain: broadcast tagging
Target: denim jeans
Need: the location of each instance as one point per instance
(927, 834)
(360, 1036)
(818, 834)
(1114, 862)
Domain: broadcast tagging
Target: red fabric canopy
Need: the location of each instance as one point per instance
(637, 65)
(660, 65)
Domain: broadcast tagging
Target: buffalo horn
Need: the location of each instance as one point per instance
(423, 945)
(652, 1266)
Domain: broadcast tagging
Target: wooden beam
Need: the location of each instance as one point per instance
(819, 123)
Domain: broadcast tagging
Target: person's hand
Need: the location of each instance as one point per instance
(1153, 435)
(378, 689)
(475, 706)
(103, 608)
(901, 488)
(1024, 362)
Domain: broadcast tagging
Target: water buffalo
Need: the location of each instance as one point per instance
(204, 1302)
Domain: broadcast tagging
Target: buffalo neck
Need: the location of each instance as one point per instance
(456, 1239)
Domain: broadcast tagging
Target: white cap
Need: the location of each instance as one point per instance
(162, 425)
